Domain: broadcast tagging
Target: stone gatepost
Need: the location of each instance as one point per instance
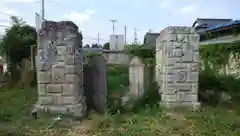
(177, 67)
(60, 69)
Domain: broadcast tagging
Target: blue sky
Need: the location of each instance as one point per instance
(92, 16)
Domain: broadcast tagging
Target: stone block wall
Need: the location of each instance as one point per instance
(177, 67)
(59, 66)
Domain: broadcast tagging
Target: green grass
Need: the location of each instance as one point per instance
(117, 77)
(218, 121)
(15, 114)
(151, 120)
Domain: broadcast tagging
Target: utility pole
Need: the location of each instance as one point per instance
(98, 38)
(113, 27)
(135, 36)
(43, 9)
(125, 34)
(169, 18)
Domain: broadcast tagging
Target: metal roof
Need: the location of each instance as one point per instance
(150, 38)
(209, 22)
(237, 22)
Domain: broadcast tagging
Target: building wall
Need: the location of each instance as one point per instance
(116, 42)
(117, 57)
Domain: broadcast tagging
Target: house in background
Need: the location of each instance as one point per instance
(204, 23)
(207, 28)
(216, 28)
(150, 40)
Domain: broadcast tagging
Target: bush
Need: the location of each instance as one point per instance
(118, 82)
(212, 85)
(150, 98)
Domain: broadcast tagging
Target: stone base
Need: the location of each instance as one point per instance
(194, 106)
(77, 111)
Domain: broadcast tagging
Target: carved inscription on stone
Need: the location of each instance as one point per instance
(182, 76)
(175, 53)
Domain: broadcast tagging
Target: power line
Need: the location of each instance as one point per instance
(75, 8)
(71, 7)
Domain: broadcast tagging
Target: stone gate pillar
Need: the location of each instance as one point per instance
(60, 69)
(177, 69)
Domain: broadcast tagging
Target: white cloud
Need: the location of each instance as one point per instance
(79, 17)
(19, 1)
(9, 12)
(188, 9)
(5, 14)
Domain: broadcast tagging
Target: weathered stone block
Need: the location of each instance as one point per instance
(166, 37)
(45, 100)
(58, 75)
(181, 76)
(72, 59)
(193, 77)
(194, 37)
(194, 88)
(175, 45)
(193, 67)
(54, 88)
(182, 37)
(70, 89)
(172, 61)
(175, 53)
(78, 110)
(67, 100)
(186, 97)
(169, 78)
(178, 66)
(187, 57)
(72, 69)
(43, 66)
(72, 79)
(178, 30)
(194, 106)
(43, 77)
(57, 99)
(57, 109)
(42, 89)
(63, 50)
(169, 98)
(196, 57)
(177, 86)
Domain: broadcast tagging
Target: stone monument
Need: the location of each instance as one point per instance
(177, 67)
(59, 66)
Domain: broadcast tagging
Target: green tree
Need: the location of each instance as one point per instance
(86, 46)
(95, 46)
(106, 46)
(15, 44)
